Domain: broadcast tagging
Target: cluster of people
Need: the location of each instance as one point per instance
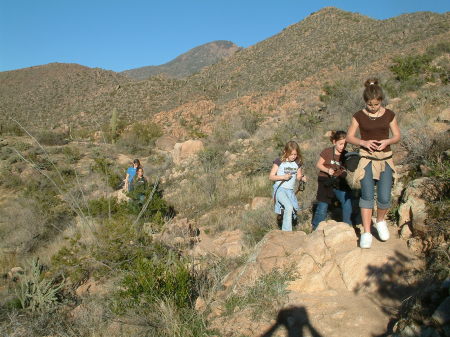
(378, 129)
(135, 183)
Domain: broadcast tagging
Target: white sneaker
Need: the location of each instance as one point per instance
(365, 240)
(383, 231)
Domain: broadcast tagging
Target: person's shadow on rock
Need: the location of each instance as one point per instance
(294, 319)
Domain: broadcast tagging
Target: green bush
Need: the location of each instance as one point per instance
(140, 137)
(412, 71)
(72, 154)
(250, 121)
(109, 172)
(410, 66)
(161, 275)
(211, 159)
(51, 138)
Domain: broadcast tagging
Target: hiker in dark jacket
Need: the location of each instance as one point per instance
(139, 186)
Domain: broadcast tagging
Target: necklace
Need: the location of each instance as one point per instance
(372, 118)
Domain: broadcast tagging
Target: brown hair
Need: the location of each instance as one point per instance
(288, 148)
(373, 90)
(337, 135)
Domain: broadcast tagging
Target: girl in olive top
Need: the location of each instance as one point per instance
(376, 166)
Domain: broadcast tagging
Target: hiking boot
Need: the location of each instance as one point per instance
(383, 231)
(365, 240)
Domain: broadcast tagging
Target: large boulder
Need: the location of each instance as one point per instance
(185, 150)
(413, 206)
(338, 288)
(165, 143)
(327, 259)
(228, 244)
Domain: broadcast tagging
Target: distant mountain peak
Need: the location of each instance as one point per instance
(188, 63)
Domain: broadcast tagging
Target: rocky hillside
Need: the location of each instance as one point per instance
(326, 44)
(188, 63)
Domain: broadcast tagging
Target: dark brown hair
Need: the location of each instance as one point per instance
(337, 135)
(373, 90)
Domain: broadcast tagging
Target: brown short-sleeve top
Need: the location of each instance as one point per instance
(375, 129)
(332, 160)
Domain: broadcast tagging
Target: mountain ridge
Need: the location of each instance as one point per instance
(325, 44)
(187, 63)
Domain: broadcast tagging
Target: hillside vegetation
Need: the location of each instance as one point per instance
(325, 43)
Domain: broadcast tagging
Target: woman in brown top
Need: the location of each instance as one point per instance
(376, 165)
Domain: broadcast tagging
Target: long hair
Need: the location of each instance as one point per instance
(288, 148)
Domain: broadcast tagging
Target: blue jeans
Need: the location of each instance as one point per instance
(384, 186)
(286, 198)
(345, 198)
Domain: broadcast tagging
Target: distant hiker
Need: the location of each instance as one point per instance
(138, 186)
(285, 171)
(331, 180)
(131, 172)
(376, 166)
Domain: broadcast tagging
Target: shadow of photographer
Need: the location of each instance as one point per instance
(295, 320)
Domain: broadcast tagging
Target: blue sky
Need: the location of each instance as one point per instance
(120, 35)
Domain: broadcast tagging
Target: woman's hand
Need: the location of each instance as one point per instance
(330, 171)
(371, 145)
(382, 144)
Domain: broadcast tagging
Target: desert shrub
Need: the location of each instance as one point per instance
(412, 71)
(257, 161)
(265, 297)
(342, 98)
(211, 159)
(250, 121)
(256, 224)
(426, 148)
(51, 138)
(8, 179)
(155, 212)
(72, 154)
(410, 66)
(10, 128)
(35, 292)
(162, 274)
(298, 128)
(140, 137)
(72, 261)
(108, 170)
(221, 137)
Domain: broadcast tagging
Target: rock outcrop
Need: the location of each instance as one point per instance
(342, 287)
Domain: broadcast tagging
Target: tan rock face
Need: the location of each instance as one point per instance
(444, 116)
(260, 202)
(165, 143)
(413, 207)
(335, 286)
(327, 259)
(227, 244)
(185, 150)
